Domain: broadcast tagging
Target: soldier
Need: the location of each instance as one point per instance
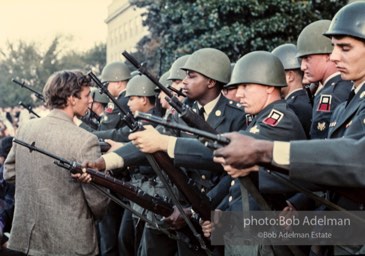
(314, 50)
(294, 93)
(54, 215)
(161, 95)
(96, 111)
(207, 71)
(116, 74)
(260, 77)
(348, 37)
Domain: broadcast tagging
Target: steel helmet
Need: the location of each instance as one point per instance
(98, 97)
(312, 41)
(164, 79)
(287, 55)
(349, 21)
(259, 67)
(211, 63)
(176, 73)
(140, 86)
(115, 72)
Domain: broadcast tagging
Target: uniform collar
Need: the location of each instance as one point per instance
(209, 106)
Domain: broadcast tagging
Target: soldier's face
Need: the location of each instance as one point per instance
(135, 103)
(115, 88)
(253, 97)
(349, 56)
(314, 67)
(195, 85)
(80, 105)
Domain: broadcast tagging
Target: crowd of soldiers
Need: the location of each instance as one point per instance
(309, 91)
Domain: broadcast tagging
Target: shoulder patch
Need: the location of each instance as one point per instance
(273, 118)
(324, 104)
(109, 108)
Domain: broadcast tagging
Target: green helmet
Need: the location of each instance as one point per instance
(176, 73)
(140, 86)
(312, 41)
(287, 55)
(164, 81)
(259, 67)
(211, 63)
(349, 21)
(115, 72)
(98, 97)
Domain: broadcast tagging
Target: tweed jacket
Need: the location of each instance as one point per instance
(54, 214)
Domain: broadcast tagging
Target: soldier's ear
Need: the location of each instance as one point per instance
(211, 83)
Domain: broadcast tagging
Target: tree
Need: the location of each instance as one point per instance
(234, 26)
(27, 63)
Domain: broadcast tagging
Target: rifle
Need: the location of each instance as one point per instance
(196, 121)
(200, 202)
(215, 141)
(135, 194)
(154, 204)
(185, 112)
(29, 108)
(22, 84)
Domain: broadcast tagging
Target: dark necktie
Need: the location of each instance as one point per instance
(201, 112)
(351, 95)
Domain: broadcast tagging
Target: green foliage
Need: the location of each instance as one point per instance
(27, 63)
(233, 26)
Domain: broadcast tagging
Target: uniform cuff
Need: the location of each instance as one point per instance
(171, 146)
(112, 161)
(281, 153)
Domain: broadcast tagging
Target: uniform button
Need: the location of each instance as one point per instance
(230, 198)
(202, 190)
(203, 177)
(232, 183)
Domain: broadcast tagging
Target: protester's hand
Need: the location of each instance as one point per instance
(114, 145)
(149, 140)
(83, 177)
(175, 221)
(243, 151)
(98, 164)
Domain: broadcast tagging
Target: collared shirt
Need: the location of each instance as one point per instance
(209, 106)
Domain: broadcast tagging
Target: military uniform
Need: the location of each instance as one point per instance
(276, 122)
(334, 92)
(299, 102)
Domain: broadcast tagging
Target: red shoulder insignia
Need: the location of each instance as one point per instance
(109, 108)
(324, 104)
(274, 118)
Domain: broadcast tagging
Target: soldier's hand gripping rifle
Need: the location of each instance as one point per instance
(160, 160)
(215, 141)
